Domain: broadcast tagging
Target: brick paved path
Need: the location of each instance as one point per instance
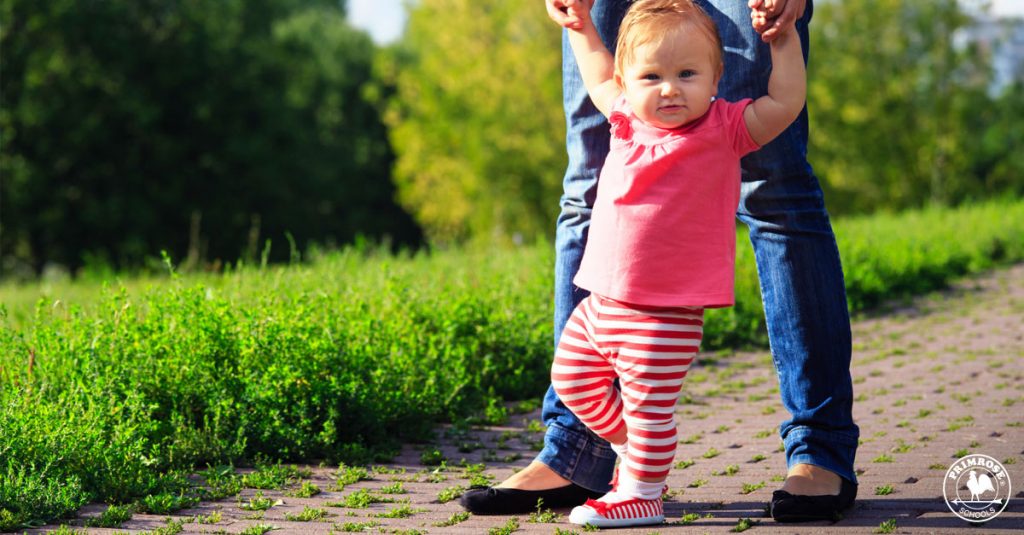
(934, 378)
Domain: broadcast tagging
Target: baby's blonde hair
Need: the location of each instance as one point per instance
(649, 20)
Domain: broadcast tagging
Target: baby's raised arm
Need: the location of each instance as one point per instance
(596, 64)
(769, 115)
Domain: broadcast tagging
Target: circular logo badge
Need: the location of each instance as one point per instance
(976, 488)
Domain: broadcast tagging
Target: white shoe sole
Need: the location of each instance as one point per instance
(582, 516)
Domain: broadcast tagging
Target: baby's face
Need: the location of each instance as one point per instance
(670, 81)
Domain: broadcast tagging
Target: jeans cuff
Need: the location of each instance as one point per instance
(582, 458)
(833, 451)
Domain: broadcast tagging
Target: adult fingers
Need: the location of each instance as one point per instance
(560, 12)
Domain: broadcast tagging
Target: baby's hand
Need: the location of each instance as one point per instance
(571, 14)
(772, 18)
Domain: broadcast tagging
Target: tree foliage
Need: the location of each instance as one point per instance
(476, 119)
(901, 111)
(202, 128)
(900, 97)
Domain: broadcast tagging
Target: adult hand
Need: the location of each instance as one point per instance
(568, 13)
(772, 17)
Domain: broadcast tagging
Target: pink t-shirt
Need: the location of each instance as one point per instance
(663, 229)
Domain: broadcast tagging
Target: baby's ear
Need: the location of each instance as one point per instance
(617, 77)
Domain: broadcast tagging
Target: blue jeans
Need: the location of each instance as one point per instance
(797, 261)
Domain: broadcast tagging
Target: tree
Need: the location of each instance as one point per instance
(130, 126)
(894, 103)
(476, 119)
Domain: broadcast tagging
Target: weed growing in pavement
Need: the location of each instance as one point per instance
(112, 517)
(308, 514)
(450, 493)
(347, 475)
(711, 453)
(888, 526)
(456, 518)
(356, 527)
(363, 498)
(221, 482)
(883, 458)
(902, 447)
(211, 518)
(751, 487)
(403, 511)
(432, 457)
(257, 529)
(395, 488)
(172, 527)
(259, 502)
(167, 502)
(692, 439)
(511, 526)
(884, 490)
(684, 464)
(273, 476)
(743, 525)
(731, 470)
(758, 458)
(306, 490)
(543, 516)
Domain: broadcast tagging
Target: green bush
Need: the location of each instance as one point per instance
(109, 392)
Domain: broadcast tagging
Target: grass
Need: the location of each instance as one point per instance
(112, 517)
(259, 503)
(451, 493)
(743, 525)
(508, 528)
(751, 487)
(456, 518)
(308, 514)
(305, 490)
(112, 391)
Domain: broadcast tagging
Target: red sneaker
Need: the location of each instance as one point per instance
(632, 512)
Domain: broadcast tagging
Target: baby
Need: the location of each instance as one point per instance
(663, 234)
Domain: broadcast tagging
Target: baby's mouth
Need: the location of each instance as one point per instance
(671, 108)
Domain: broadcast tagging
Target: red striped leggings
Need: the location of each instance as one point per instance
(649, 351)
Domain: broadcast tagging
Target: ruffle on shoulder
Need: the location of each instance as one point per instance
(621, 128)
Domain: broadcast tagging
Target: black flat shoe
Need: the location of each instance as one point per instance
(786, 507)
(499, 501)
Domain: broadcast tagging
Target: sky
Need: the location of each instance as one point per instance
(384, 19)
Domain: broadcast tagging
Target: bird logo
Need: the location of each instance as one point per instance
(979, 485)
(976, 488)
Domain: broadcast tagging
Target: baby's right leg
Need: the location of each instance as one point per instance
(584, 379)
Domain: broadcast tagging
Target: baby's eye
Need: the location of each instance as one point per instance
(687, 73)
(651, 76)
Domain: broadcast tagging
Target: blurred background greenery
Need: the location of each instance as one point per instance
(230, 130)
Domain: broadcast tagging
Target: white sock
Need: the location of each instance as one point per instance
(630, 487)
(620, 449)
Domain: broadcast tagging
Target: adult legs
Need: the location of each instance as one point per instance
(572, 455)
(800, 273)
